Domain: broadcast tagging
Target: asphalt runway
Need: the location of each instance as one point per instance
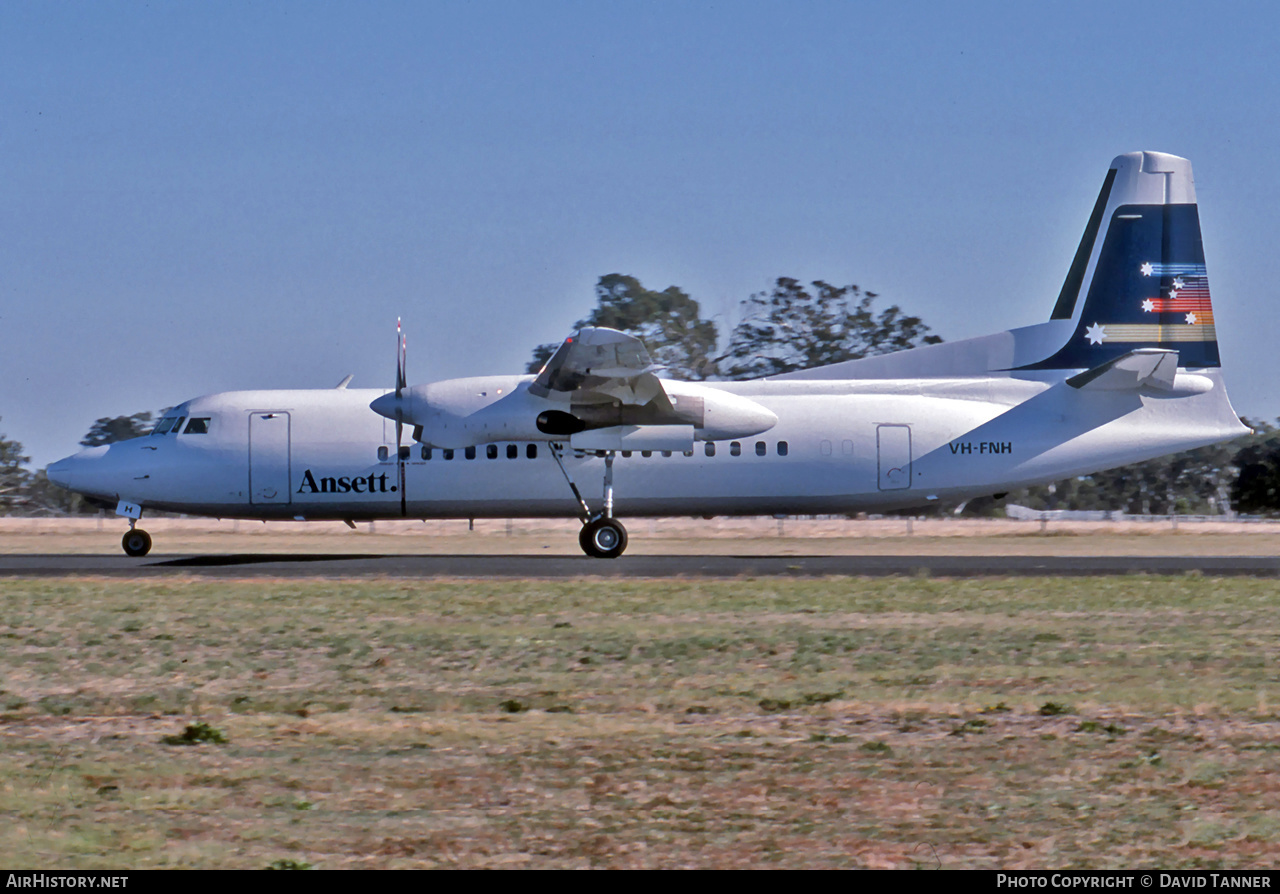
(276, 565)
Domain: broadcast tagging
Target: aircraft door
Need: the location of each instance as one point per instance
(269, 458)
(893, 456)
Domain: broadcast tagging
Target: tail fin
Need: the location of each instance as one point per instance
(1145, 285)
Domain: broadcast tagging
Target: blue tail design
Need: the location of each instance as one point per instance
(1146, 286)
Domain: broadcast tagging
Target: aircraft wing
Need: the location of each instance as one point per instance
(598, 364)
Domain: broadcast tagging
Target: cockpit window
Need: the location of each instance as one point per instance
(197, 426)
(173, 425)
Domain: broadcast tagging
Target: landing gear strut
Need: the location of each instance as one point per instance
(602, 536)
(136, 542)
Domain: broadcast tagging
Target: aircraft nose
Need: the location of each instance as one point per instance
(71, 472)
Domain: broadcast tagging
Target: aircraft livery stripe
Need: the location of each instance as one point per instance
(1137, 332)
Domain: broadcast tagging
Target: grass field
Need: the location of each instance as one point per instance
(1113, 722)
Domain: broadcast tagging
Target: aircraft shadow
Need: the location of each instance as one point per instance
(258, 559)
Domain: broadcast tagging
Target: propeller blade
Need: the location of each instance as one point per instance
(400, 384)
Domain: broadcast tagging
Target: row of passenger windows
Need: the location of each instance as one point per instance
(512, 451)
(173, 425)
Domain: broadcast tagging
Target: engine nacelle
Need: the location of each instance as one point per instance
(467, 412)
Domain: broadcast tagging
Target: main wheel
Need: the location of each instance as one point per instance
(603, 538)
(136, 542)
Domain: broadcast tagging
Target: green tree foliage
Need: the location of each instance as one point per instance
(1256, 490)
(15, 480)
(792, 327)
(110, 429)
(668, 322)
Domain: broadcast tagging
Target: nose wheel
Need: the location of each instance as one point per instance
(136, 542)
(603, 538)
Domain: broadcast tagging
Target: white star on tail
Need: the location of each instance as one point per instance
(1146, 269)
(1178, 283)
(1148, 305)
(1191, 319)
(1096, 334)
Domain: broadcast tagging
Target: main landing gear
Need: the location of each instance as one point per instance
(136, 542)
(602, 536)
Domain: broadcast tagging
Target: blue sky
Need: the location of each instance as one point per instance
(203, 197)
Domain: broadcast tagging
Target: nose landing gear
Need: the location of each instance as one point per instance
(136, 542)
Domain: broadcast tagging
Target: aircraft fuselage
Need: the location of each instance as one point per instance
(837, 447)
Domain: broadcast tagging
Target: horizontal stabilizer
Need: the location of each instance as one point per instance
(1144, 367)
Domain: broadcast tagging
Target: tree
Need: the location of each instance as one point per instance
(110, 429)
(791, 328)
(1256, 490)
(14, 478)
(668, 322)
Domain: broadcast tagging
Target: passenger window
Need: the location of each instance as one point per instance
(626, 454)
(782, 448)
(846, 447)
(513, 452)
(426, 452)
(646, 453)
(197, 427)
(710, 448)
(761, 448)
(531, 451)
(825, 448)
(446, 454)
(666, 453)
(383, 453)
(688, 453)
(735, 449)
(469, 453)
(491, 451)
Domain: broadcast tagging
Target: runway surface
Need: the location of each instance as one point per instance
(277, 565)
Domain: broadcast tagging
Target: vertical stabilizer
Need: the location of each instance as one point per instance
(1138, 278)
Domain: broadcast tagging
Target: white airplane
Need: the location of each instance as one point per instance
(1126, 369)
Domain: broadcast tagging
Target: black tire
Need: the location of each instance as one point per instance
(603, 538)
(136, 543)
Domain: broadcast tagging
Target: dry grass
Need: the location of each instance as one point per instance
(842, 722)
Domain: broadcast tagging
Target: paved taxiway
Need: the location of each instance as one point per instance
(559, 567)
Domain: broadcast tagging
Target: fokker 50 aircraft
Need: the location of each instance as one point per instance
(1125, 369)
